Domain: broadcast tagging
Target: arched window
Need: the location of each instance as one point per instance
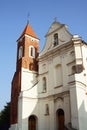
(20, 52)
(31, 66)
(44, 84)
(55, 39)
(32, 51)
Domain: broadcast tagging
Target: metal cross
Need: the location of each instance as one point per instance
(55, 19)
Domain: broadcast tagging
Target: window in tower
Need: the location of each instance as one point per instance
(20, 52)
(55, 39)
(32, 52)
(31, 66)
(44, 84)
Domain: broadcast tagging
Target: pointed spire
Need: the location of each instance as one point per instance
(28, 18)
(28, 31)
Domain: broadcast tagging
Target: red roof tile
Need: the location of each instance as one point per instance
(29, 31)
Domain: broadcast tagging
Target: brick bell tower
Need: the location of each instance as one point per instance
(27, 53)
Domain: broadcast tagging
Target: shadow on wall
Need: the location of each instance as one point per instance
(83, 115)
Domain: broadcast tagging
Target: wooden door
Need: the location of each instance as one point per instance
(60, 117)
(32, 123)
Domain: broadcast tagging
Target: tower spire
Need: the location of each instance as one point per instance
(28, 18)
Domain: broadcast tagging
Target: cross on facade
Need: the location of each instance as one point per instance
(55, 19)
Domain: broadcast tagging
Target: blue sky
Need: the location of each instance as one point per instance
(13, 19)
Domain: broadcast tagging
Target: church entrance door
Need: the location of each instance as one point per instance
(60, 119)
(32, 123)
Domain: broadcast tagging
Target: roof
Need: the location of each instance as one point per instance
(28, 31)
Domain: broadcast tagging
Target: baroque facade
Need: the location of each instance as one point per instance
(49, 89)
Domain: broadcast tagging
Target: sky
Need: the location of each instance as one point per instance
(13, 19)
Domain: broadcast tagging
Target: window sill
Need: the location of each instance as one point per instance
(58, 86)
(44, 91)
(47, 114)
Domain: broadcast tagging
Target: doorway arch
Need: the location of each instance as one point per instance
(32, 122)
(60, 119)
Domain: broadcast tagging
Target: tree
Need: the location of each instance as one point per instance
(5, 117)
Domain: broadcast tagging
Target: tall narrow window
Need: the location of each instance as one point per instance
(44, 84)
(58, 74)
(20, 52)
(32, 51)
(55, 39)
(46, 109)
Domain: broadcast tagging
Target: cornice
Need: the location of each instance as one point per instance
(55, 50)
(54, 96)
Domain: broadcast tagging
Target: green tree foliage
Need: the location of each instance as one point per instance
(5, 116)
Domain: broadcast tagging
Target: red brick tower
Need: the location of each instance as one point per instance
(27, 53)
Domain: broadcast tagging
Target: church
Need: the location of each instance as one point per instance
(49, 88)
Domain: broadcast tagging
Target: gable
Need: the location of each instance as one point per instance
(55, 26)
(63, 37)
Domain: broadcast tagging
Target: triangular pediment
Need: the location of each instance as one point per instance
(55, 26)
(64, 37)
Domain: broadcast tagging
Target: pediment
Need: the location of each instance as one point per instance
(64, 36)
(55, 26)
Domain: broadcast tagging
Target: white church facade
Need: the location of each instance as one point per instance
(49, 89)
